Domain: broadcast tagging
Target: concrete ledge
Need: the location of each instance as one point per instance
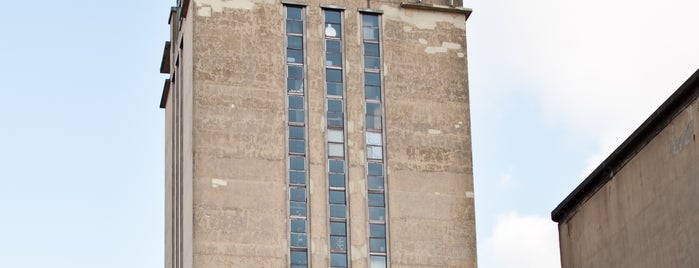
(439, 8)
(166, 91)
(165, 62)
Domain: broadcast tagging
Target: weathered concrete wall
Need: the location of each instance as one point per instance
(647, 215)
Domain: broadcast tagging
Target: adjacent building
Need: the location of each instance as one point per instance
(318, 133)
(640, 207)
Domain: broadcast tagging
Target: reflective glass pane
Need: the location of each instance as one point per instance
(336, 150)
(374, 152)
(373, 79)
(296, 133)
(373, 138)
(334, 89)
(376, 200)
(299, 266)
(294, 42)
(297, 177)
(297, 194)
(294, 26)
(370, 20)
(295, 71)
(370, 33)
(298, 240)
(296, 102)
(297, 146)
(377, 214)
(338, 228)
(333, 59)
(372, 62)
(337, 211)
(333, 75)
(335, 106)
(337, 180)
(336, 136)
(297, 208)
(377, 245)
(293, 13)
(294, 55)
(337, 197)
(375, 183)
(299, 257)
(297, 116)
(333, 46)
(337, 166)
(373, 121)
(333, 30)
(377, 230)
(338, 243)
(335, 120)
(294, 85)
(338, 260)
(377, 262)
(332, 16)
(375, 169)
(371, 49)
(372, 92)
(298, 226)
(297, 163)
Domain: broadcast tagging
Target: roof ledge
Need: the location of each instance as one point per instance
(166, 91)
(165, 62)
(440, 8)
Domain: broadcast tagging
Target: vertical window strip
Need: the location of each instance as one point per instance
(335, 128)
(376, 183)
(296, 129)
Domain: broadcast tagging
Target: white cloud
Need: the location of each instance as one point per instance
(521, 242)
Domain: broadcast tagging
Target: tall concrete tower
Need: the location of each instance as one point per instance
(318, 133)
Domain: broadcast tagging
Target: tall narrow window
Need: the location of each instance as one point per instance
(376, 185)
(335, 128)
(297, 158)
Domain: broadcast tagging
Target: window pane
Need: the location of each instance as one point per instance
(297, 146)
(338, 260)
(370, 33)
(293, 13)
(296, 102)
(295, 42)
(374, 152)
(299, 257)
(337, 211)
(298, 226)
(377, 214)
(376, 200)
(370, 20)
(336, 150)
(294, 85)
(299, 266)
(377, 230)
(338, 243)
(333, 59)
(294, 26)
(338, 228)
(297, 177)
(373, 121)
(337, 197)
(297, 163)
(297, 116)
(295, 72)
(296, 133)
(372, 79)
(299, 240)
(336, 136)
(294, 55)
(333, 30)
(373, 138)
(375, 169)
(375, 183)
(335, 120)
(335, 106)
(297, 194)
(333, 46)
(377, 245)
(337, 166)
(372, 62)
(337, 180)
(333, 75)
(332, 16)
(297, 208)
(371, 49)
(334, 89)
(378, 262)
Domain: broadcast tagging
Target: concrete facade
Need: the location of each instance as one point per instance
(226, 142)
(639, 208)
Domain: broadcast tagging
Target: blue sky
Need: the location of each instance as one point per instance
(555, 87)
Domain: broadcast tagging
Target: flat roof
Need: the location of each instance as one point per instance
(674, 105)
